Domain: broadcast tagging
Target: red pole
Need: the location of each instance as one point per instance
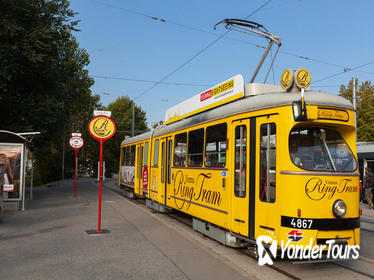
(75, 173)
(100, 184)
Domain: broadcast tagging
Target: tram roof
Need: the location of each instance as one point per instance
(256, 97)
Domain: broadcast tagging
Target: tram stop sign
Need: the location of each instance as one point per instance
(102, 128)
(76, 142)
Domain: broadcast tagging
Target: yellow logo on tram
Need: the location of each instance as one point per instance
(303, 78)
(102, 127)
(287, 79)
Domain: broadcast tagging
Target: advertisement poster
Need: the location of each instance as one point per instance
(11, 156)
(128, 175)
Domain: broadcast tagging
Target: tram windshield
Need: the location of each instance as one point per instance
(320, 149)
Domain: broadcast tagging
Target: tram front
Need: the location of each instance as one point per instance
(319, 207)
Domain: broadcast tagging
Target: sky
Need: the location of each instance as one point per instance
(135, 44)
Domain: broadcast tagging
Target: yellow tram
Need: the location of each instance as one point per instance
(246, 160)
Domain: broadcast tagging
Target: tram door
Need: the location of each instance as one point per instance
(166, 171)
(139, 169)
(267, 214)
(240, 197)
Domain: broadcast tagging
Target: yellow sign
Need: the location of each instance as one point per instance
(287, 79)
(102, 127)
(218, 95)
(303, 78)
(332, 114)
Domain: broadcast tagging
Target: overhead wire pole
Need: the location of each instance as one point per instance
(354, 103)
(133, 120)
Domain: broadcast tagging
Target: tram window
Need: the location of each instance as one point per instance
(215, 147)
(268, 162)
(163, 162)
(195, 147)
(132, 155)
(140, 160)
(180, 141)
(145, 163)
(127, 156)
(138, 163)
(240, 160)
(123, 156)
(320, 149)
(155, 155)
(170, 148)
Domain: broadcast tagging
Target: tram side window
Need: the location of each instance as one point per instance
(145, 163)
(123, 156)
(126, 161)
(195, 147)
(240, 160)
(215, 147)
(268, 162)
(139, 162)
(132, 155)
(155, 155)
(170, 148)
(163, 162)
(180, 145)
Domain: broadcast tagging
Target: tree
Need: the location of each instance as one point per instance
(43, 82)
(365, 107)
(121, 110)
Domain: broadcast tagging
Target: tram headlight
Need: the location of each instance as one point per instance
(339, 208)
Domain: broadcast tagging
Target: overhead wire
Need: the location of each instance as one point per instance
(181, 66)
(231, 38)
(150, 81)
(345, 71)
(197, 54)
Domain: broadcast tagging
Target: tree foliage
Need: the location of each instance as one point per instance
(121, 110)
(43, 83)
(365, 107)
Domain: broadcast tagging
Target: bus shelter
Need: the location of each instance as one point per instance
(13, 155)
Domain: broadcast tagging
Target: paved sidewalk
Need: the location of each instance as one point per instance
(48, 241)
(366, 212)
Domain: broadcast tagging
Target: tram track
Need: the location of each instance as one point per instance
(250, 251)
(353, 269)
(368, 230)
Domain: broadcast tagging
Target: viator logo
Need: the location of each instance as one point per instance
(265, 253)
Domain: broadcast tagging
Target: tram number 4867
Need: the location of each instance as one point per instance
(301, 223)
